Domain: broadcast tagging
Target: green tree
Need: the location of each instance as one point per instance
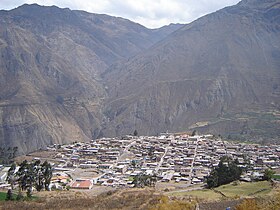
(19, 195)
(193, 133)
(135, 133)
(35, 175)
(47, 174)
(38, 175)
(142, 180)
(9, 195)
(151, 151)
(22, 174)
(268, 174)
(133, 163)
(29, 192)
(226, 172)
(212, 179)
(15, 150)
(11, 175)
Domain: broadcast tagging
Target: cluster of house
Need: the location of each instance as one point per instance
(169, 157)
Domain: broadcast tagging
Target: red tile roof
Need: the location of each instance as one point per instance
(86, 184)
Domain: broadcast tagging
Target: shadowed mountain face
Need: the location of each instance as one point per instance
(219, 74)
(50, 66)
(72, 76)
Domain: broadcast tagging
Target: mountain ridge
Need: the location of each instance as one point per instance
(72, 76)
(211, 68)
(51, 63)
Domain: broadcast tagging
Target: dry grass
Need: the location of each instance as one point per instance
(206, 195)
(126, 199)
(44, 155)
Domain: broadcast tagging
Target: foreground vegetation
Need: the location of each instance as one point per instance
(263, 203)
(3, 196)
(149, 199)
(29, 176)
(232, 191)
(226, 172)
(126, 199)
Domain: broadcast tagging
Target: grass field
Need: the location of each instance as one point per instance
(246, 189)
(276, 176)
(2, 196)
(230, 191)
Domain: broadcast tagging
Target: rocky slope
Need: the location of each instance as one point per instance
(71, 76)
(220, 73)
(50, 66)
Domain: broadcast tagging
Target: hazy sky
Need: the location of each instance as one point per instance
(151, 13)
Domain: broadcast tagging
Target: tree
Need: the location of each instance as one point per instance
(226, 172)
(133, 163)
(22, 174)
(135, 133)
(212, 179)
(11, 175)
(142, 180)
(268, 174)
(47, 174)
(151, 151)
(15, 150)
(29, 192)
(19, 195)
(38, 175)
(9, 195)
(34, 175)
(193, 133)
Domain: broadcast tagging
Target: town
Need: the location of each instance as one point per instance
(179, 158)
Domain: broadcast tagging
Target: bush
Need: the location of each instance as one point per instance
(9, 195)
(29, 193)
(166, 203)
(248, 204)
(19, 196)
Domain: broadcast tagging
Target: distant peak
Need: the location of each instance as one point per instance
(37, 6)
(28, 6)
(257, 2)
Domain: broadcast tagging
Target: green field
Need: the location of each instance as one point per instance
(276, 176)
(2, 196)
(246, 189)
(229, 191)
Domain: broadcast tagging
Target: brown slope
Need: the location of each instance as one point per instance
(50, 66)
(221, 71)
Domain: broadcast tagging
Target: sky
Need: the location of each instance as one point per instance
(150, 13)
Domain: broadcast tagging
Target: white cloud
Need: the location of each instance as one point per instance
(146, 12)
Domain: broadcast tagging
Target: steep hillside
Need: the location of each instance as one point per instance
(50, 66)
(220, 73)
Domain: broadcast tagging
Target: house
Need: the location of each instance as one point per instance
(60, 179)
(3, 174)
(82, 184)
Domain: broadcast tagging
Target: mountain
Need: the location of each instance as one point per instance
(50, 67)
(72, 76)
(219, 74)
